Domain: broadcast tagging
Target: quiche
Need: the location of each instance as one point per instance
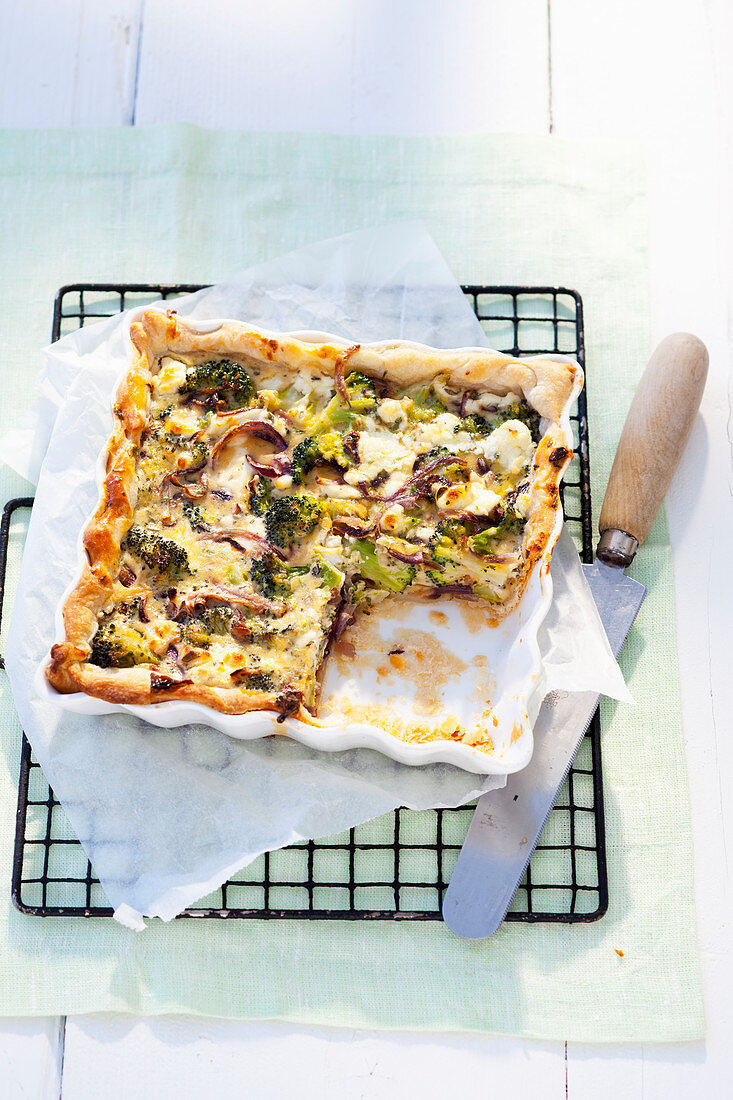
(260, 491)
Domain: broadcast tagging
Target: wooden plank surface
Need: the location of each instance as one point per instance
(417, 66)
(71, 63)
(659, 74)
(110, 1057)
(30, 1059)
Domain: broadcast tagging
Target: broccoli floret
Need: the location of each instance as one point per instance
(452, 472)
(362, 399)
(444, 553)
(163, 556)
(168, 449)
(450, 549)
(485, 541)
(519, 411)
(425, 402)
(259, 495)
(225, 379)
(448, 569)
(118, 645)
(335, 415)
(327, 447)
(476, 425)
(445, 545)
(438, 578)
(198, 451)
(291, 518)
(212, 620)
(450, 531)
(361, 391)
(270, 577)
(217, 620)
(483, 426)
(195, 516)
(330, 577)
(305, 456)
(395, 576)
(445, 550)
(332, 447)
(259, 681)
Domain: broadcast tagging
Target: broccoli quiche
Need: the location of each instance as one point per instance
(259, 492)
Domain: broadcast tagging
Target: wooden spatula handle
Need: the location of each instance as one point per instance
(655, 434)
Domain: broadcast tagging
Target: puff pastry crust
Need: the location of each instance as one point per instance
(430, 470)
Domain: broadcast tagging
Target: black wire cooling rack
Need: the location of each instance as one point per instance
(398, 866)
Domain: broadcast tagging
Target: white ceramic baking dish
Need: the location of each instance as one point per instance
(496, 672)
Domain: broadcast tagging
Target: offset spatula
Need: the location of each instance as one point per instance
(507, 823)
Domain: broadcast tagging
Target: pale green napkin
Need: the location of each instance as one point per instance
(176, 203)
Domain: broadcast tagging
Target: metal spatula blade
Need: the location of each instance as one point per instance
(507, 824)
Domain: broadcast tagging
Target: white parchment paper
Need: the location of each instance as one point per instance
(167, 815)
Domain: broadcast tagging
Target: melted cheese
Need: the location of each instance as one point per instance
(380, 451)
(183, 420)
(509, 447)
(393, 519)
(473, 497)
(170, 377)
(391, 412)
(234, 477)
(523, 504)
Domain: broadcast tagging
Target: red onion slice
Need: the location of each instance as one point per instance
(198, 489)
(451, 590)
(193, 492)
(339, 376)
(187, 470)
(233, 535)
(366, 491)
(171, 608)
(276, 468)
(126, 577)
(239, 628)
(226, 411)
(175, 658)
(352, 528)
(340, 382)
(159, 682)
(424, 475)
(345, 616)
(261, 429)
(235, 598)
(416, 557)
(334, 482)
(351, 446)
(241, 675)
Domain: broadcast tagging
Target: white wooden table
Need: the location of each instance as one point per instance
(654, 70)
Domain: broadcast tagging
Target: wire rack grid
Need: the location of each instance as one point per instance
(398, 866)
